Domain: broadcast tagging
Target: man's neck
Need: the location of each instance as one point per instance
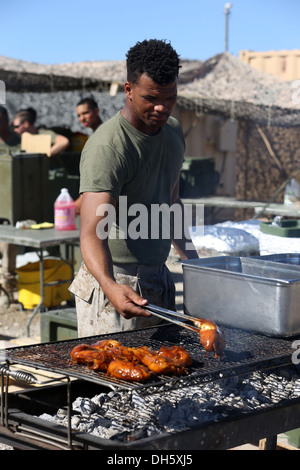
(96, 125)
(144, 129)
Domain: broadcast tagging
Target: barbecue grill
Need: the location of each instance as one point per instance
(213, 391)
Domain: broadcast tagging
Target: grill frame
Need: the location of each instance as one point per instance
(245, 352)
(23, 428)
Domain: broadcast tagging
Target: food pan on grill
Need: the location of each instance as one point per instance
(259, 293)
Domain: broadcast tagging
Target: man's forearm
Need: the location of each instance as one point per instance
(61, 144)
(97, 258)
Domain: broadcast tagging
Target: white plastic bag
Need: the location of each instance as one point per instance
(225, 240)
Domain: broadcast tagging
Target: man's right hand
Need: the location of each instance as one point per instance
(126, 301)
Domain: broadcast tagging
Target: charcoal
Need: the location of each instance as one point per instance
(129, 415)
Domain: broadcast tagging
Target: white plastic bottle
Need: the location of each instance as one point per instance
(64, 211)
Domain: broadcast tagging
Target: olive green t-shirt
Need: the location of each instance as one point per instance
(53, 134)
(140, 172)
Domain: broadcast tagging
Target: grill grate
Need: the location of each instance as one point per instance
(244, 351)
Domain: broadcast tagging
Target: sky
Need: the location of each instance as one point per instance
(61, 31)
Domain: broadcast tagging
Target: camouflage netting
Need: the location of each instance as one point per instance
(54, 90)
(228, 87)
(266, 107)
(58, 109)
(266, 158)
(222, 85)
(268, 112)
(23, 76)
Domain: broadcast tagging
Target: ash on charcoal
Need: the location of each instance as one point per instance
(129, 415)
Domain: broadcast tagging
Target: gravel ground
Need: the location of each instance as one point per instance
(13, 322)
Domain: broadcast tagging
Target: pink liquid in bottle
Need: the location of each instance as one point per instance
(64, 211)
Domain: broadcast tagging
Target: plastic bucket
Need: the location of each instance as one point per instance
(29, 287)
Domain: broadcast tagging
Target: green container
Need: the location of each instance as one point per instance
(287, 228)
(58, 325)
(294, 437)
(198, 177)
(24, 189)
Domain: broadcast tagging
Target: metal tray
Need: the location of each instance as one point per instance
(270, 269)
(286, 258)
(255, 294)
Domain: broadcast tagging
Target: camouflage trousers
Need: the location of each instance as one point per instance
(96, 315)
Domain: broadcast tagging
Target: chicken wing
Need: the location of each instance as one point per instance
(211, 336)
(179, 356)
(106, 344)
(93, 358)
(126, 370)
(128, 363)
(158, 364)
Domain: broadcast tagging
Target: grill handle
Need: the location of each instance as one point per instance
(18, 375)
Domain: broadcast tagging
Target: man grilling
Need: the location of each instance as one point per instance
(132, 160)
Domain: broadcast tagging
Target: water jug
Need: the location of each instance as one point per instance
(64, 211)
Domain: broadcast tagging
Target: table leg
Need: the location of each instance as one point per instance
(42, 284)
(269, 443)
(38, 307)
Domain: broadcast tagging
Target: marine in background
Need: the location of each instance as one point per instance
(89, 116)
(88, 113)
(24, 121)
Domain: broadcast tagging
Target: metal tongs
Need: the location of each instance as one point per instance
(170, 316)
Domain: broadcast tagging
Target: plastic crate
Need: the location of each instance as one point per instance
(294, 437)
(58, 325)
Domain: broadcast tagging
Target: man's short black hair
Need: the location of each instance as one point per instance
(89, 101)
(28, 114)
(156, 58)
